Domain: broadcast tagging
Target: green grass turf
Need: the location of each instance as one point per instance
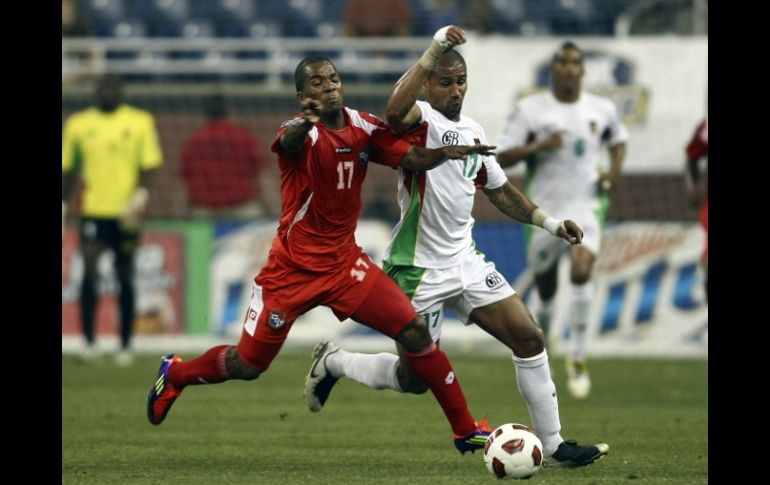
(653, 414)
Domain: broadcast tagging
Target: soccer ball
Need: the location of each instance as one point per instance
(513, 451)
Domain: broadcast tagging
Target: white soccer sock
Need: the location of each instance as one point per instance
(580, 306)
(533, 375)
(377, 371)
(544, 314)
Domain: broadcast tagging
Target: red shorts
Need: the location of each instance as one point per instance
(359, 289)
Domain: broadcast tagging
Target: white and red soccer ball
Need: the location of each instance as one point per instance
(513, 451)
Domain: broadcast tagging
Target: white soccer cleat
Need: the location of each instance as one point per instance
(578, 379)
(124, 358)
(88, 355)
(319, 381)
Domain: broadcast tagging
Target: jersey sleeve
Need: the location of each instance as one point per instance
(283, 155)
(425, 110)
(71, 156)
(151, 155)
(495, 176)
(386, 148)
(516, 130)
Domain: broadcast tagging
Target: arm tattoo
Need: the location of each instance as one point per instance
(512, 203)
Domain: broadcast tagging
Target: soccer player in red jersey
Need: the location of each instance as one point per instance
(697, 170)
(323, 154)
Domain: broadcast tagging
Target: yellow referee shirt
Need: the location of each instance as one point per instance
(110, 149)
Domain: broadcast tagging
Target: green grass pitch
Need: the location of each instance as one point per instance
(653, 414)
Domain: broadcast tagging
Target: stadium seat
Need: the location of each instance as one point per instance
(129, 28)
(508, 15)
(103, 15)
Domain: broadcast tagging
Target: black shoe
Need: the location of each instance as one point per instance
(571, 454)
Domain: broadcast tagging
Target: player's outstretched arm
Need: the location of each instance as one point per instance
(511, 202)
(296, 131)
(516, 205)
(511, 156)
(421, 159)
(401, 112)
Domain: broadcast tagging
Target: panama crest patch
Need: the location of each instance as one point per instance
(276, 320)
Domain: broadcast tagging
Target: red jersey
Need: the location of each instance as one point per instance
(321, 188)
(220, 163)
(698, 148)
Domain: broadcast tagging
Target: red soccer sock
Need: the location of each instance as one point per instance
(209, 368)
(433, 367)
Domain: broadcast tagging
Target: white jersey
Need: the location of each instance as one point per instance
(436, 222)
(564, 181)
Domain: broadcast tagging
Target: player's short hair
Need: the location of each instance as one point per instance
(299, 72)
(449, 58)
(567, 44)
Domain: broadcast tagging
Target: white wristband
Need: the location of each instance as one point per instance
(438, 45)
(541, 218)
(440, 37)
(552, 225)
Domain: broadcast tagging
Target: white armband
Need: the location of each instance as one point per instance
(438, 45)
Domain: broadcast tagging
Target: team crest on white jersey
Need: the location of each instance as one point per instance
(494, 280)
(450, 138)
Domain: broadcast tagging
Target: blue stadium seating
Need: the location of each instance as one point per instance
(323, 18)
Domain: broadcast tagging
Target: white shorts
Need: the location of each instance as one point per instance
(472, 284)
(544, 249)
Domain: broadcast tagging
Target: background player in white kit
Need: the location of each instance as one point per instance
(432, 256)
(560, 133)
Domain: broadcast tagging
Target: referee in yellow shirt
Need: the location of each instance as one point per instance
(113, 146)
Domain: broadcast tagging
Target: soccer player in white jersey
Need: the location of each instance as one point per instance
(561, 132)
(432, 256)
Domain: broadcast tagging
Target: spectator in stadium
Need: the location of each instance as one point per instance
(114, 148)
(377, 18)
(478, 16)
(323, 154)
(560, 133)
(432, 256)
(221, 164)
(440, 13)
(73, 22)
(697, 176)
